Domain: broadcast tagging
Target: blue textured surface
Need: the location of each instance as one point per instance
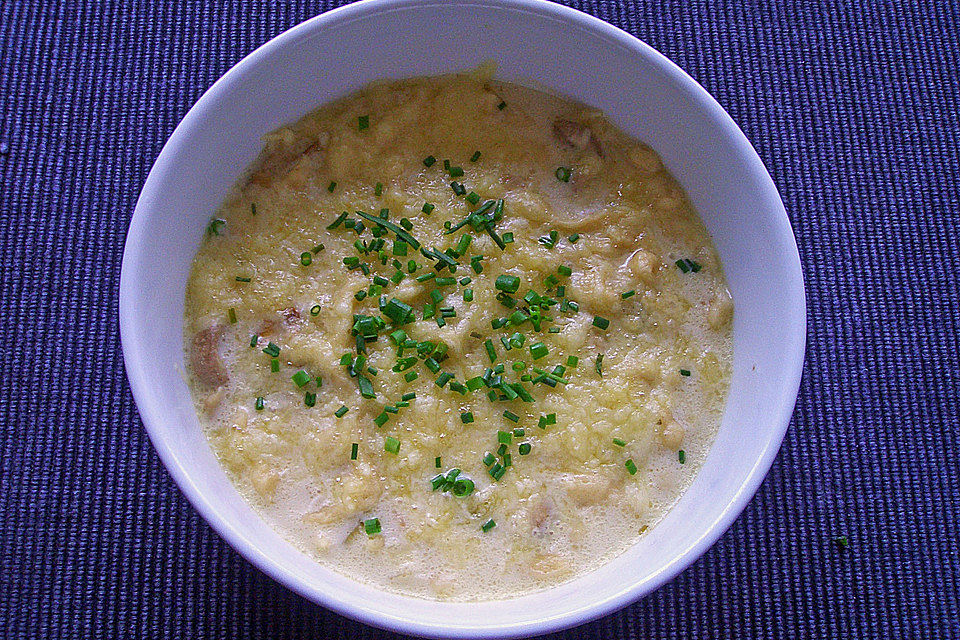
(855, 109)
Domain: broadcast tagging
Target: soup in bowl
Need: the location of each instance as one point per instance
(617, 94)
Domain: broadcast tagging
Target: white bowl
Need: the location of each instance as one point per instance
(533, 42)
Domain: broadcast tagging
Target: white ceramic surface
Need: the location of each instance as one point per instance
(533, 42)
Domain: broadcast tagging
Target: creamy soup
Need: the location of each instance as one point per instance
(458, 338)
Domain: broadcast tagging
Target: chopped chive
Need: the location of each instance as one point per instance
(463, 244)
(437, 462)
(232, 315)
(315, 310)
(601, 322)
(253, 208)
(508, 237)
(511, 416)
(455, 172)
(628, 294)
(274, 365)
(507, 283)
(518, 317)
(599, 365)
(518, 432)
(371, 526)
(573, 238)
(683, 266)
(538, 350)
(463, 487)
(490, 524)
(496, 471)
(475, 156)
(391, 445)
(491, 352)
(572, 361)
(253, 340)
(216, 226)
(301, 378)
(309, 399)
(381, 419)
(564, 270)
(507, 460)
(306, 258)
(378, 189)
(619, 442)
(488, 459)
(505, 437)
(682, 456)
(272, 350)
(466, 418)
(444, 378)
(631, 467)
(341, 411)
(524, 448)
(366, 387)
(842, 542)
(472, 198)
(242, 279)
(410, 376)
(428, 208)
(468, 295)
(429, 161)
(501, 107)
(563, 174)
(363, 122)
(458, 188)
(258, 403)
(685, 373)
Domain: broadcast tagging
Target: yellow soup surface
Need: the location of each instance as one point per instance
(543, 325)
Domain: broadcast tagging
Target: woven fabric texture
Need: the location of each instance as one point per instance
(855, 109)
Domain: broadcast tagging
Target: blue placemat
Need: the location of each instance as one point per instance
(854, 107)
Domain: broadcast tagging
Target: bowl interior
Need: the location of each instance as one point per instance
(535, 43)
